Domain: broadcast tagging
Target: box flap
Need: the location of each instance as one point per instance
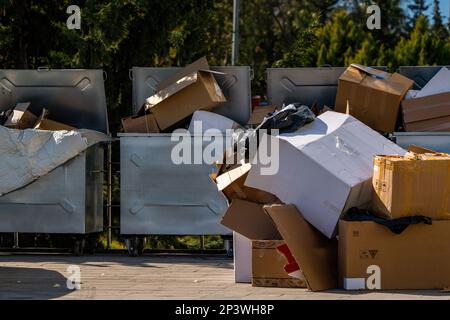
(377, 79)
(419, 150)
(200, 64)
(227, 178)
(171, 90)
(250, 220)
(315, 253)
(378, 74)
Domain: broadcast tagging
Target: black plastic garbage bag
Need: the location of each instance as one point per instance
(397, 226)
(289, 119)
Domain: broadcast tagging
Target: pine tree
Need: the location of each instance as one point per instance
(418, 8)
(438, 26)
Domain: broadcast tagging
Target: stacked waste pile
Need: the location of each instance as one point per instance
(345, 207)
(337, 204)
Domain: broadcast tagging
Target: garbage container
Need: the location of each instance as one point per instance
(437, 141)
(68, 200)
(159, 197)
(309, 86)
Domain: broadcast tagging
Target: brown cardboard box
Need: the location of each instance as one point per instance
(140, 124)
(314, 252)
(200, 64)
(268, 266)
(418, 258)
(417, 184)
(430, 113)
(259, 114)
(46, 124)
(250, 220)
(195, 91)
(231, 183)
(20, 117)
(372, 96)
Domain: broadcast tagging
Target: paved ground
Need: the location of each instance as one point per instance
(150, 277)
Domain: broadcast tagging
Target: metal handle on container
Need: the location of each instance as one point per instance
(43, 68)
(130, 74)
(329, 66)
(105, 76)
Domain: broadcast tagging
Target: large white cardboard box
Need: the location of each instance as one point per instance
(325, 168)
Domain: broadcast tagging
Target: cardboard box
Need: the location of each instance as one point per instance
(43, 123)
(372, 96)
(429, 113)
(259, 114)
(315, 253)
(200, 64)
(417, 184)
(231, 183)
(20, 117)
(195, 91)
(268, 266)
(325, 168)
(250, 220)
(140, 124)
(418, 258)
(242, 252)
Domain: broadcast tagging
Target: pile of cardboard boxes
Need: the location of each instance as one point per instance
(292, 228)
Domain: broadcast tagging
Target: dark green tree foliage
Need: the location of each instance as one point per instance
(418, 8)
(439, 28)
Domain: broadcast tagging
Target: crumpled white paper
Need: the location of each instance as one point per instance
(26, 155)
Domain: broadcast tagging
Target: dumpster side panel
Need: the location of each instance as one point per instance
(437, 141)
(303, 85)
(94, 188)
(160, 197)
(55, 203)
(235, 84)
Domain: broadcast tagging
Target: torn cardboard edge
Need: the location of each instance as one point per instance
(43, 123)
(140, 124)
(232, 184)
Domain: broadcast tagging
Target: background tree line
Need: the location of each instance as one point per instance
(119, 34)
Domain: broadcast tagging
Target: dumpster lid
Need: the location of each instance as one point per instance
(75, 97)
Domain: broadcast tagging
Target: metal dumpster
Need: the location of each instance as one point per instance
(303, 85)
(308, 86)
(69, 200)
(159, 197)
(438, 141)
